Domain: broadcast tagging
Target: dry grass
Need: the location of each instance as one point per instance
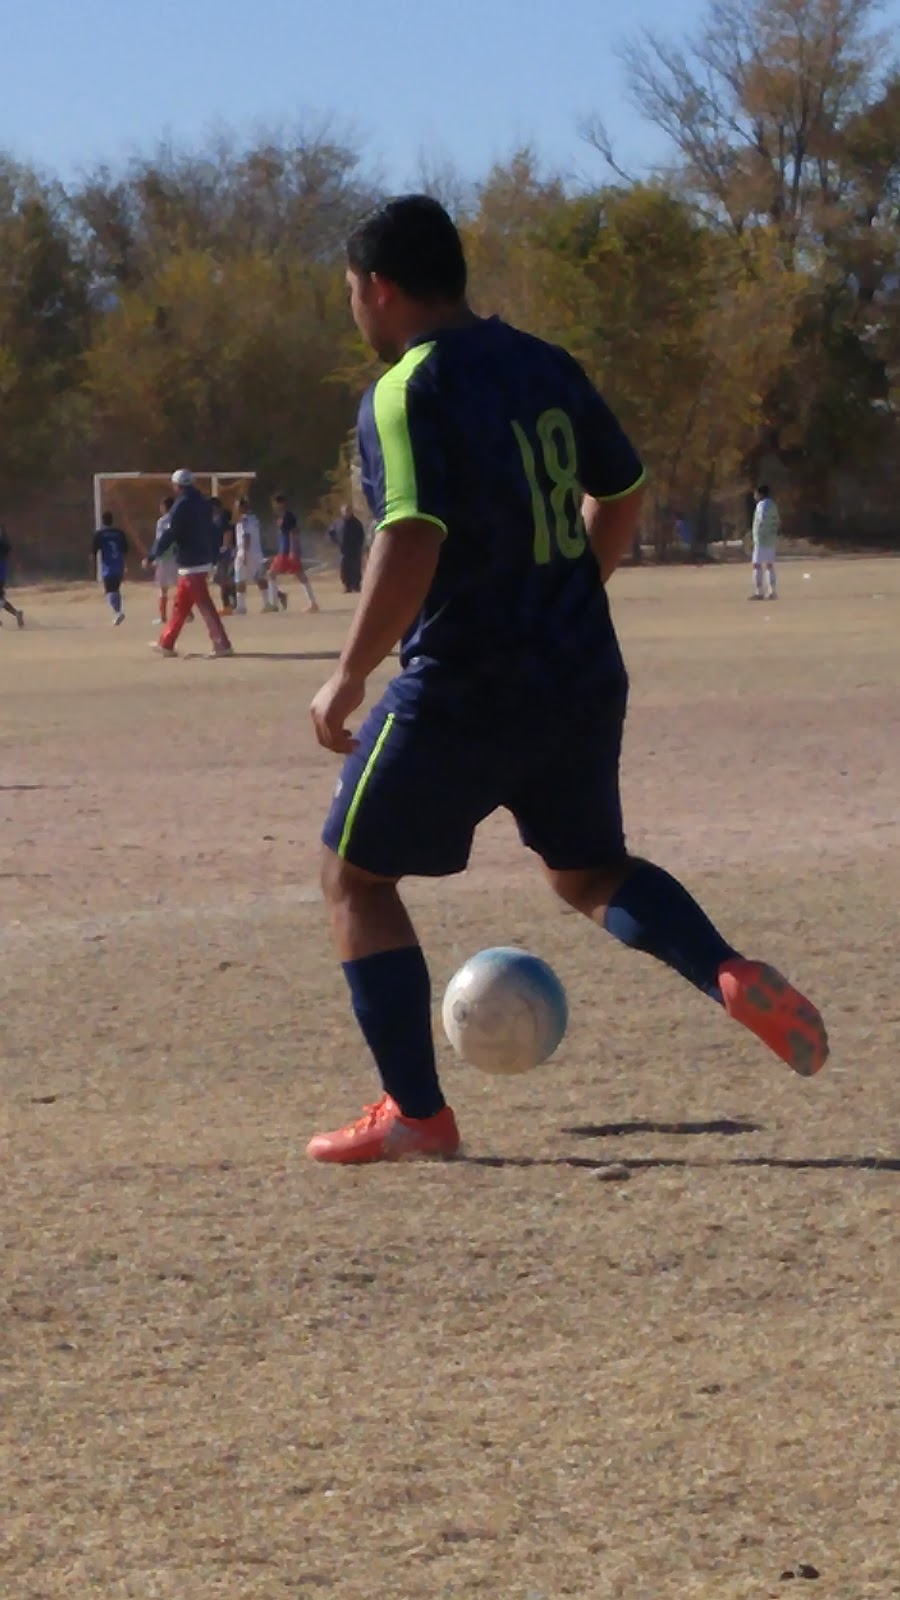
(226, 1373)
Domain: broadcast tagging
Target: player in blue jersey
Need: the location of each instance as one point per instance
(506, 495)
(110, 547)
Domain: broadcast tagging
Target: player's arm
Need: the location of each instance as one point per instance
(611, 526)
(399, 575)
(404, 469)
(612, 476)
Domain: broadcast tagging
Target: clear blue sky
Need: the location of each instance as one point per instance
(90, 80)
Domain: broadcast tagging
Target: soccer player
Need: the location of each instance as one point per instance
(249, 561)
(5, 553)
(190, 528)
(165, 570)
(111, 547)
(506, 495)
(287, 558)
(223, 556)
(766, 528)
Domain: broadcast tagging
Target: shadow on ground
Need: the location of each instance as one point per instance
(648, 1163)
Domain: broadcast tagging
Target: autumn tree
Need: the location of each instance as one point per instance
(44, 323)
(784, 140)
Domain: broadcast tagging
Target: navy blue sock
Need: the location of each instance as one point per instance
(391, 995)
(652, 911)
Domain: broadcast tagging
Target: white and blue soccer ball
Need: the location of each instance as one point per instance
(505, 1011)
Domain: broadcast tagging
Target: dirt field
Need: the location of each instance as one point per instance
(642, 1343)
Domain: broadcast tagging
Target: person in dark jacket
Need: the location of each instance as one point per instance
(190, 528)
(349, 536)
(5, 553)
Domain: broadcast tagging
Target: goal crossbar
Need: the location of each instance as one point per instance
(217, 479)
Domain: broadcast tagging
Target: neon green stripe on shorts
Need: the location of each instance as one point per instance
(360, 789)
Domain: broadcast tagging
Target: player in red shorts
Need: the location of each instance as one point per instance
(288, 559)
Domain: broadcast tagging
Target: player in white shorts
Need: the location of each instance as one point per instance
(766, 528)
(249, 561)
(165, 570)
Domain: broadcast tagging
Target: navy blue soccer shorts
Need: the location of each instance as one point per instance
(410, 797)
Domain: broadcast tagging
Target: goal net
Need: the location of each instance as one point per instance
(134, 497)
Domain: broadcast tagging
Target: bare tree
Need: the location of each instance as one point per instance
(756, 104)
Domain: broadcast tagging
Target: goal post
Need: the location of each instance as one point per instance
(133, 497)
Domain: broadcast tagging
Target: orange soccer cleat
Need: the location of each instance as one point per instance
(776, 1012)
(382, 1133)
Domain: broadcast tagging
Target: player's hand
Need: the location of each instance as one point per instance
(334, 703)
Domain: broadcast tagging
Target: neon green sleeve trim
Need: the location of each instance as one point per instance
(401, 492)
(420, 516)
(607, 499)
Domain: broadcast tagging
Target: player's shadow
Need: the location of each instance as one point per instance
(20, 788)
(648, 1163)
(288, 655)
(269, 655)
(617, 1130)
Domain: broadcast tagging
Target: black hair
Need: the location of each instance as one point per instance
(107, 519)
(764, 491)
(279, 496)
(214, 500)
(412, 242)
(168, 502)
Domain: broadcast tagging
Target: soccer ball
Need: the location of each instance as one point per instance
(505, 1011)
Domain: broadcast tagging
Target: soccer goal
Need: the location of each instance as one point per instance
(134, 497)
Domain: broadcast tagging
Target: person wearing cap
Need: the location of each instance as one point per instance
(191, 529)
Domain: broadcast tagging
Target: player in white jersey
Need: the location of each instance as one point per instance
(766, 528)
(249, 561)
(165, 570)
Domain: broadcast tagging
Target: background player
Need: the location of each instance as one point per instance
(5, 553)
(249, 561)
(766, 528)
(190, 528)
(165, 569)
(110, 547)
(287, 558)
(223, 556)
(506, 494)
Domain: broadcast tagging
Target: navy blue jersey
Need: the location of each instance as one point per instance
(494, 436)
(191, 529)
(286, 528)
(111, 545)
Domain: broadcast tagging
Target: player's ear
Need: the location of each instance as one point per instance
(383, 293)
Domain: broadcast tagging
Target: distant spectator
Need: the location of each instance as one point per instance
(349, 535)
